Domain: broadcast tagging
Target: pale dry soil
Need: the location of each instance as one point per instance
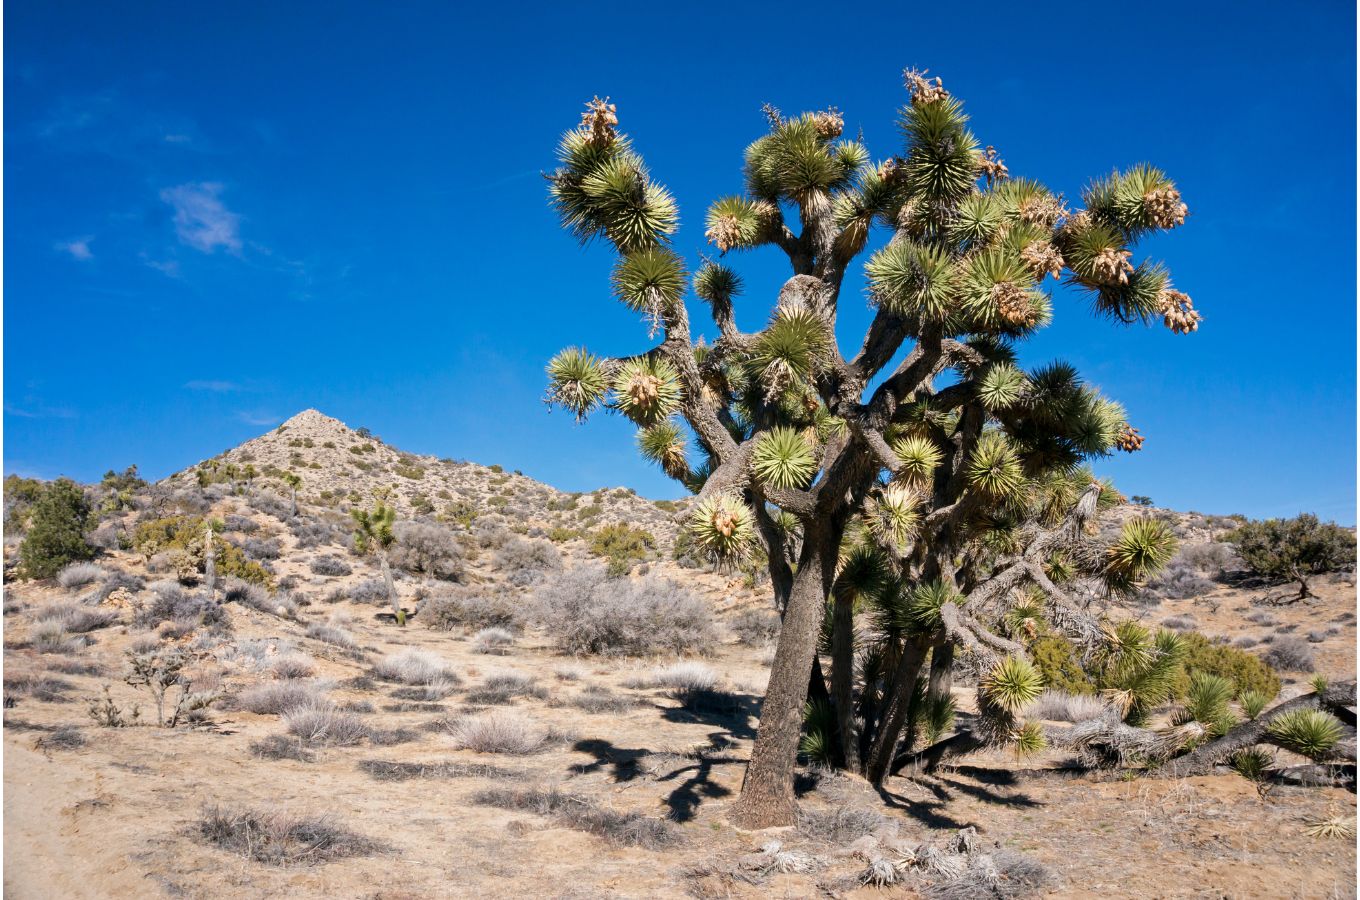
(117, 817)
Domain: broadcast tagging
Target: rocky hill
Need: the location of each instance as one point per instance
(340, 466)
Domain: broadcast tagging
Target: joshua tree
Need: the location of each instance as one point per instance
(373, 535)
(294, 481)
(1294, 549)
(961, 471)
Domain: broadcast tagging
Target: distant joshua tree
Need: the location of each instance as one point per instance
(294, 481)
(927, 474)
(373, 535)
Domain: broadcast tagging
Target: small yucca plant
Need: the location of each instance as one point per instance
(1307, 732)
(1012, 683)
(1252, 703)
(1252, 763)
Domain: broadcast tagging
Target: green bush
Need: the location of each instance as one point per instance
(1057, 660)
(1294, 549)
(20, 495)
(56, 530)
(182, 536)
(1246, 671)
(621, 544)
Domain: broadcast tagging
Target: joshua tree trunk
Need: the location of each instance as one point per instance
(294, 509)
(209, 561)
(897, 701)
(941, 670)
(842, 680)
(767, 792)
(391, 588)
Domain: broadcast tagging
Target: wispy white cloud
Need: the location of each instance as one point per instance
(217, 387)
(39, 411)
(168, 267)
(77, 249)
(202, 221)
(259, 418)
(177, 139)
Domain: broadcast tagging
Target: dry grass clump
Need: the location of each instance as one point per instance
(467, 611)
(1002, 874)
(426, 693)
(414, 667)
(501, 731)
(680, 676)
(52, 637)
(173, 604)
(278, 697)
(330, 566)
(291, 666)
(841, 825)
(755, 627)
(579, 813)
(502, 687)
(595, 699)
(76, 618)
(79, 574)
(39, 686)
(332, 633)
(281, 838)
(63, 737)
(587, 612)
(495, 641)
(323, 723)
(281, 746)
(1290, 654)
(386, 770)
(1060, 706)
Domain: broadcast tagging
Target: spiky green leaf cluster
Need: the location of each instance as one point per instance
(942, 154)
(783, 458)
(647, 390)
(651, 280)
(794, 346)
(724, 526)
(994, 466)
(603, 189)
(893, 514)
(577, 381)
(664, 444)
(1144, 546)
(1307, 732)
(913, 280)
(1012, 683)
(918, 457)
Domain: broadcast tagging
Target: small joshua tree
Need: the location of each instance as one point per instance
(963, 495)
(1294, 549)
(294, 481)
(373, 535)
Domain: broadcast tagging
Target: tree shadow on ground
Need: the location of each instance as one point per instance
(624, 764)
(730, 711)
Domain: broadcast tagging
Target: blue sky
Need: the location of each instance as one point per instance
(220, 215)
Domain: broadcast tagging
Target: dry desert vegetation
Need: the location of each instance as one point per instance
(566, 711)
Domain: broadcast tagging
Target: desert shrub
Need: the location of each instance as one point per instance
(370, 590)
(1261, 617)
(621, 545)
(291, 666)
(277, 697)
(493, 640)
(1245, 671)
(281, 746)
(524, 562)
(500, 731)
(117, 581)
(1178, 581)
(38, 686)
(587, 612)
(281, 838)
(179, 540)
(596, 699)
(414, 667)
(756, 627)
(172, 603)
(261, 548)
(329, 565)
(314, 533)
(331, 633)
(998, 873)
(579, 813)
(78, 574)
(56, 530)
(1060, 706)
(20, 494)
(677, 676)
(159, 672)
(492, 609)
(842, 825)
(1290, 654)
(52, 637)
(270, 504)
(255, 597)
(503, 687)
(1058, 661)
(241, 524)
(76, 619)
(1179, 623)
(321, 722)
(1294, 549)
(428, 550)
(109, 536)
(1213, 559)
(63, 737)
(385, 770)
